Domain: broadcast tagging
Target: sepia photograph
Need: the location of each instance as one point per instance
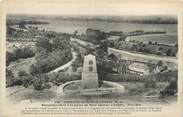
(91, 58)
(56, 58)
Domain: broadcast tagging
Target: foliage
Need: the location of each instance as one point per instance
(125, 78)
(146, 48)
(77, 63)
(60, 43)
(171, 89)
(20, 53)
(150, 83)
(27, 80)
(40, 82)
(51, 55)
(167, 76)
(172, 86)
(34, 69)
(43, 43)
(9, 77)
(60, 78)
(104, 68)
(113, 57)
(22, 73)
(95, 36)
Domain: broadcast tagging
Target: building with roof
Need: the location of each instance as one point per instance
(139, 68)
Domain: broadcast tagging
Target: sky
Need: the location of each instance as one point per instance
(87, 8)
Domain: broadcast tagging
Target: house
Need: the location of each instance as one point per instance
(139, 68)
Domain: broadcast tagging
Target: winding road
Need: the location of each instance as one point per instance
(65, 65)
(145, 56)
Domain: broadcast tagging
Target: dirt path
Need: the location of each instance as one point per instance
(65, 65)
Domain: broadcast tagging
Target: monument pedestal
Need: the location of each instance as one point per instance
(91, 81)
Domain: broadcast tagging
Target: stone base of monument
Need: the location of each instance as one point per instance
(75, 88)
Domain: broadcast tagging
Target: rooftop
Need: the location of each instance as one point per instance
(139, 65)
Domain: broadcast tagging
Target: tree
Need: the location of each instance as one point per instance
(160, 48)
(9, 73)
(146, 50)
(61, 43)
(44, 43)
(27, 52)
(40, 81)
(169, 52)
(150, 84)
(104, 46)
(94, 36)
(176, 44)
(172, 86)
(75, 33)
(122, 37)
(22, 73)
(141, 43)
(171, 89)
(113, 57)
(9, 58)
(160, 63)
(149, 42)
(34, 69)
(27, 80)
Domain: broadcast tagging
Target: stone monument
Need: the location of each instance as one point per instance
(89, 84)
(89, 74)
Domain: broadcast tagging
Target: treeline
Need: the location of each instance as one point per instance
(141, 32)
(22, 22)
(143, 20)
(146, 48)
(152, 21)
(20, 53)
(51, 54)
(92, 35)
(40, 81)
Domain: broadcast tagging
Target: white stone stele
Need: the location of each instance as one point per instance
(89, 74)
(89, 84)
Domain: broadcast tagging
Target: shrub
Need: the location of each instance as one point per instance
(150, 84)
(27, 80)
(40, 81)
(22, 73)
(20, 53)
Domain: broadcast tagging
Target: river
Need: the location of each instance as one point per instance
(81, 26)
